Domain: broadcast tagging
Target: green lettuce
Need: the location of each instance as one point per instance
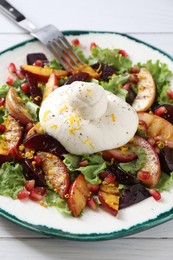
(54, 200)
(110, 57)
(4, 90)
(11, 179)
(114, 85)
(96, 164)
(165, 182)
(134, 166)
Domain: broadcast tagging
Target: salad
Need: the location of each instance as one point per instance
(37, 164)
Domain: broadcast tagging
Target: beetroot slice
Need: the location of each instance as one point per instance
(32, 57)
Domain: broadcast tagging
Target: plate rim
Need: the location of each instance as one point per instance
(140, 227)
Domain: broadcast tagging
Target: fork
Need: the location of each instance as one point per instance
(49, 35)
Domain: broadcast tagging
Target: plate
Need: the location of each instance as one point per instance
(99, 225)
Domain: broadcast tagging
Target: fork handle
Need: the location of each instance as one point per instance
(10, 11)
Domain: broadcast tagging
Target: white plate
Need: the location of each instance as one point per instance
(91, 225)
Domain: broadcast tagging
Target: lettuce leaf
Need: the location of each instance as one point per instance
(166, 181)
(54, 200)
(96, 164)
(111, 58)
(11, 179)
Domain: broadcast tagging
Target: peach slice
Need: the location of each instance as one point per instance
(119, 154)
(78, 195)
(86, 68)
(11, 137)
(146, 91)
(56, 173)
(51, 85)
(16, 107)
(152, 164)
(43, 73)
(158, 127)
(109, 197)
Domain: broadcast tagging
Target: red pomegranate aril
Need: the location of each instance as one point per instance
(2, 102)
(75, 42)
(134, 70)
(19, 74)
(155, 194)
(40, 190)
(38, 63)
(35, 196)
(93, 45)
(123, 53)
(160, 111)
(94, 188)
(23, 194)
(127, 86)
(37, 159)
(142, 126)
(25, 88)
(12, 68)
(104, 174)
(170, 93)
(143, 175)
(91, 202)
(2, 128)
(29, 185)
(83, 163)
(134, 79)
(10, 81)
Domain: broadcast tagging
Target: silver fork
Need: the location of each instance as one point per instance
(49, 35)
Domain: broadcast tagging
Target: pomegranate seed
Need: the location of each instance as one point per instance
(110, 178)
(155, 194)
(93, 45)
(94, 188)
(142, 126)
(40, 190)
(19, 74)
(38, 63)
(83, 163)
(91, 202)
(16, 153)
(23, 194)
(2, 102)
(12, 68)
(104, 174)
(160, 111)
(123, 53)
(28, 127)
(37, 159)
(134, 70)
(75, 42)
(134, 79)
(25, 88)
(170, 93)
(2, 128)
(29, 185)
(35, 196)
(127, 86)
(10, 81)
(143, 175)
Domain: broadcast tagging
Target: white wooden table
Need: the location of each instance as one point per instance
(149, 20)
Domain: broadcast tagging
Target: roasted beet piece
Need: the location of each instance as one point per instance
(130, 96)
(80, 76)
(166, 159)
(31, 171)
(122, 176)
(106, 70)
(133, 195)
(45, 143)
(34, 90)
(32, 57)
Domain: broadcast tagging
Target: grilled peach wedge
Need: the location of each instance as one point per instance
(158, 127)
(55, 172)
(149, 175)
(51, 85)
(146, 91)
(16, 107)
(109, 197)
(78, 195)
(11, 137)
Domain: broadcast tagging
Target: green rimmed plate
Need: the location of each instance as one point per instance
(91, 225)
